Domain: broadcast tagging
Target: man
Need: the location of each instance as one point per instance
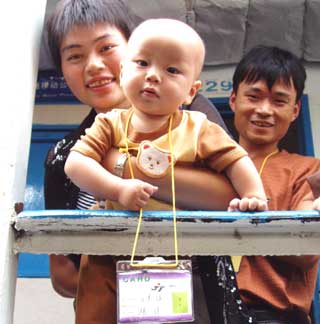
(267, 87)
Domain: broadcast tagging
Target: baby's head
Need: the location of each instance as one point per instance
(162, 65)
(170, 32)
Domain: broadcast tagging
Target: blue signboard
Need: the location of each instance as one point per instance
(53, 89)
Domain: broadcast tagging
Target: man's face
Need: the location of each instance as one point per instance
(263, 116)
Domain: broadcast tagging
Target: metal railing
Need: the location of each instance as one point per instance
(199, 232)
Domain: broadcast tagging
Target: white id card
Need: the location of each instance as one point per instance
(154, 295)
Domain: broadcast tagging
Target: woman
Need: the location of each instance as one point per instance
(87, 40)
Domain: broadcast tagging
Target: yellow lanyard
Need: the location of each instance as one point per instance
(236, 260)
(264, 162)
(171, 265)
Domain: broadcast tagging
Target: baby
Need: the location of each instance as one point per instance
(160, 73)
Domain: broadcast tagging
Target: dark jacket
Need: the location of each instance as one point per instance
(59, 191)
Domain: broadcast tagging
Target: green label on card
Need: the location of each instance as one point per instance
(180, 302)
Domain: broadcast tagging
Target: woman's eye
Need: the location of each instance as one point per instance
(173, 70)
(73, 57)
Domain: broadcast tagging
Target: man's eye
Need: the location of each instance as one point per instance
(173, 70)
(280, 102)
(252, 97)
(142, 63)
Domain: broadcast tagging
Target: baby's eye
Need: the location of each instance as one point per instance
(149, 158)
(142, 62)
(158, 162)
(173, 70)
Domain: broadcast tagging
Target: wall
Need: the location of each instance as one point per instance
(59, 114)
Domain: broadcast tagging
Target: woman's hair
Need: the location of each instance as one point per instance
(270, 64)
(70, 13)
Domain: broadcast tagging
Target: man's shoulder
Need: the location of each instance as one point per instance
(298, 162)
(298, 158)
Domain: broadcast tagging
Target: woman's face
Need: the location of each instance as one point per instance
(90, 60)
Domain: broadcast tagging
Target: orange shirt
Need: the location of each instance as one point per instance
(282, 281)
(194, 138)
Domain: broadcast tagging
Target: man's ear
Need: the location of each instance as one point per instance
(296, 110)
(232, 101)
(193, 91)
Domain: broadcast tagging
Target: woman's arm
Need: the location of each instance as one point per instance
(64, 275)
(196, 188)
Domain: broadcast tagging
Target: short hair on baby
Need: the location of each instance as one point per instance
(177, 30)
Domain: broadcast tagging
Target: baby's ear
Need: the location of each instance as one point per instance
(193, 91)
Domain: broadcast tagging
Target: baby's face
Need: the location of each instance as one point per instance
(158, 74)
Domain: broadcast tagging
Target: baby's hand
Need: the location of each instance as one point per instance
(248, 204)
(135, 194)
(316, 204)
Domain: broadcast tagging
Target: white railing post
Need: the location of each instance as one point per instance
(21, 26)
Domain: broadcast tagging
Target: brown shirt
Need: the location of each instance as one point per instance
(194, 138)
(282, 281)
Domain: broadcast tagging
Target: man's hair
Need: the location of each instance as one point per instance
(270, 64)
(70, 13)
